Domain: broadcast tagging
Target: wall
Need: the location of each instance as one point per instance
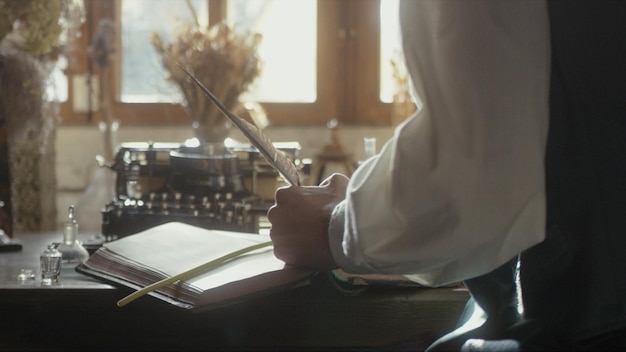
(78, 174)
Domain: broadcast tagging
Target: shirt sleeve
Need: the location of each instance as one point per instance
(459, 189)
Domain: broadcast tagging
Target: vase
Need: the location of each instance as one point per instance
(211, 137)
(108, 130)
(33, 184)
(29, 121)
(101, 187)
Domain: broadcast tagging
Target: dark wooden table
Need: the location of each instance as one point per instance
(80, 313)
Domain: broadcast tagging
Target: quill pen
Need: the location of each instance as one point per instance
(275, 157)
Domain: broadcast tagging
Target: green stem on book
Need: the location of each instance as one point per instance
(190, 273)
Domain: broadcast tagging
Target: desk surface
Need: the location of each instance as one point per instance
(80, 314)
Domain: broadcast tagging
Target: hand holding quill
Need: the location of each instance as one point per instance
(274, 156)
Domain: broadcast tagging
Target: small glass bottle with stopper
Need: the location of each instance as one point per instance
(71, 249)
(50, 261)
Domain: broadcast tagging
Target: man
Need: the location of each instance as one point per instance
(473, 179)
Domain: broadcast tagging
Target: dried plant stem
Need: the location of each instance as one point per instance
(190, 273)
(193, 13)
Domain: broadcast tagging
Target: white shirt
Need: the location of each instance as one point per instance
(459, 189)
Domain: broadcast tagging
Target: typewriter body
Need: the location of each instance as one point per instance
(162, 182)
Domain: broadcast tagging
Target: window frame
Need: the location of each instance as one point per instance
(348, 45)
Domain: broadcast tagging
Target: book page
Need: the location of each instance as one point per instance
(175, 247)
(243, 267)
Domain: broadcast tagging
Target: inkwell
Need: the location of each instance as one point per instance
(71, 249)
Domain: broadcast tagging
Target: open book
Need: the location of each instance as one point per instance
(169, 249)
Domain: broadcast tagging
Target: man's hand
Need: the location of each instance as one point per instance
(300, 219)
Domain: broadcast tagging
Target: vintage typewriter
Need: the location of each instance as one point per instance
(156, 183)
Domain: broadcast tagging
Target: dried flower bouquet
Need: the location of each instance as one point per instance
(224, 61)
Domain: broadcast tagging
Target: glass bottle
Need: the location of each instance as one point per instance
(50, 261)
(71, 249)
(370, 146)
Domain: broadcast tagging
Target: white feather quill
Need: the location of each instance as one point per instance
(275, 157)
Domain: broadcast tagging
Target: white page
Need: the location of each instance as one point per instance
(175, 247)
(241, 268)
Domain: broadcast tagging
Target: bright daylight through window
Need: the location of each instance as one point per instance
(288, 49)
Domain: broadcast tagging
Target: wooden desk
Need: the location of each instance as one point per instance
(80, 314)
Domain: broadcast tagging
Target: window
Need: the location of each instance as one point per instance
(390, 49)
(141, 72)
(288, 49)
(323, 59)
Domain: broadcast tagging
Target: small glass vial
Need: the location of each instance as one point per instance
(370, 146)
(71, 249)
(50, 261)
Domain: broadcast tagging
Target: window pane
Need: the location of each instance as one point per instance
(391, 58)
(288, 49)
(143, 77)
